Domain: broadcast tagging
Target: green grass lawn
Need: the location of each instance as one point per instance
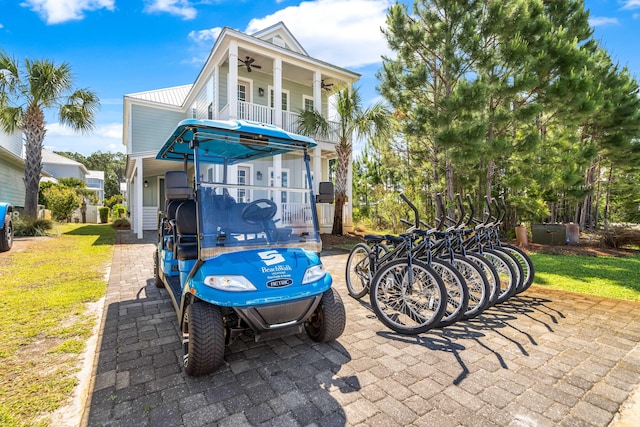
(609, 277)
(44, 326)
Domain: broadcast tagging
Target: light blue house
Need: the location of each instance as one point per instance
(11, 169)
(266, 77)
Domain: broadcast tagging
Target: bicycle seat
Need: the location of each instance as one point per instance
(374, 238)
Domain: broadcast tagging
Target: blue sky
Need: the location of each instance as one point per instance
(121, 47)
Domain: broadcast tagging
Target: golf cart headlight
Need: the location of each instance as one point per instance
(313, 274)
(229, 283)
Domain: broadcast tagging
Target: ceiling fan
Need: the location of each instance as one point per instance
(249, 63)
(326, 86)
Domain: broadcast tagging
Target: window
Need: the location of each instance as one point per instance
(285, 99)
(243, 179)
(242, 92)
(243, 109)
(307, 104)
(285, 183)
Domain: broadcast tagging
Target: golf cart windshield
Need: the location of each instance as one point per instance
(255, 216)
(232, 214)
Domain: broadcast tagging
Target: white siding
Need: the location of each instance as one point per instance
(150, 218)
(202, 104)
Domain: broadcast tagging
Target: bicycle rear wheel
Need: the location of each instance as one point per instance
(408, 300)
(358, 275)
(457, 291)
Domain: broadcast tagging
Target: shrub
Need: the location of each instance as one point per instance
(31, 227)
(113, 200)
(118, 211)
(104, 214)
(617, 237)
(62, 202)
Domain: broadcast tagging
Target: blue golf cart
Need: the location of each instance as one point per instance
(234, 258)
(6, 227)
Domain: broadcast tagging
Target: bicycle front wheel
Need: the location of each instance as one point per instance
(408, 299)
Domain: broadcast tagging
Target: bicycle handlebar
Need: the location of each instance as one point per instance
(413, 207)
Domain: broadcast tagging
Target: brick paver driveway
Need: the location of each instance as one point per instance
(545, 358)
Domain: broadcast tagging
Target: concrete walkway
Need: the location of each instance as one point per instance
(545, 358)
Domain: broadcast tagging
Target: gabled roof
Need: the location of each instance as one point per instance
(51, 158)
(173, 96)
(281, 31)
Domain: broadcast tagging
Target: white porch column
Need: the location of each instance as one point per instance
(317, 91)
(138, 193)
(215, 84)
(232, 84)
(317, 168)
(277, 180)
(277, 91)
(347, 220)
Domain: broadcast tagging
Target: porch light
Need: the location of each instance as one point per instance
(260, 91)
(259, 176)
(146, 183)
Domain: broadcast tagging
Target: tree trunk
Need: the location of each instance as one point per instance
(608, 197)
(34, 131)
(343, 150)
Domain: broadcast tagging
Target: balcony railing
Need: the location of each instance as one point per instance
(264, 114)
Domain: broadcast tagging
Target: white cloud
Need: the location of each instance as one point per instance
(631, 4)
(59, 11)
(600, 21)
(105, 138)
(341, 32)
(205, 35)
(180, 8)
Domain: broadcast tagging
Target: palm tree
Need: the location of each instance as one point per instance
(24, 97)
(354, 121)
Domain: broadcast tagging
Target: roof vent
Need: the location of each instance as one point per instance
(278, 41)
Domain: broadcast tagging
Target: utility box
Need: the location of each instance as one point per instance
(549, 234)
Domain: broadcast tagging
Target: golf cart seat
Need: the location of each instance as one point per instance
(176, 186)
(186, 227)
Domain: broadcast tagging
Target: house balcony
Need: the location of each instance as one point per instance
(264, 114)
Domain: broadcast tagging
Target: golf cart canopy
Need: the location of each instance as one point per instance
(229, 141)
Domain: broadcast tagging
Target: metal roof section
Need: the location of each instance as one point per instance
(173, 96)
(56, 159)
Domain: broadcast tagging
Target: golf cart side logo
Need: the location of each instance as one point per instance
(271, 257)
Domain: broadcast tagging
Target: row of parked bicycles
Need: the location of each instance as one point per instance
(431, 277)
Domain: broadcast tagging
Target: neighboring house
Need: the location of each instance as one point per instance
(266, 77)
(95, 183)
(62, 167)
(11, 169)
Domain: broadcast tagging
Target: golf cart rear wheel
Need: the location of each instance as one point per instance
(328, 320)
(6, 235)
(156, 271)
(202, 339)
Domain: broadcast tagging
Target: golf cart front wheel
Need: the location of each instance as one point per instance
(202, 339)
(328, 320)
(6, 235)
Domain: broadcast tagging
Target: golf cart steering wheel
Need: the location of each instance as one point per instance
(259, 211)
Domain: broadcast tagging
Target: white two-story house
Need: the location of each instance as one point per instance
(266, 77)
